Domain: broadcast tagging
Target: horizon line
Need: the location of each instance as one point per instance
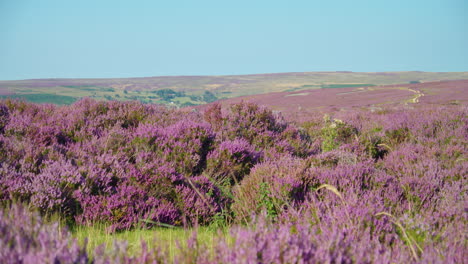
(220, 75)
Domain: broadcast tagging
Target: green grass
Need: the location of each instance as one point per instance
(176, 88)
(44, 98)
(170, 239)
(335, 85)
(82, 87)
(307, 86)
(345, 85)
(66, 95)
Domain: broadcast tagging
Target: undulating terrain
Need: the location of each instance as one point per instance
(300, 105)
(371, 174)
(183, 91)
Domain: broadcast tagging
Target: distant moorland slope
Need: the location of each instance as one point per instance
(302, 103)
(195, 90)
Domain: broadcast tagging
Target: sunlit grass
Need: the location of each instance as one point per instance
(167, 239)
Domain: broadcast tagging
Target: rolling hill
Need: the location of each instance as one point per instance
(298, 104)
(196, 90)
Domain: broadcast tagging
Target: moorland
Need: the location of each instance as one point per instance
(338, 170)
(183, 91)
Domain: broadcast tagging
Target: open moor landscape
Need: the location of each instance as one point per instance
(372, 173)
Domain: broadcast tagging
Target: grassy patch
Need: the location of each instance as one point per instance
(82, 87)
(335, 85)
(298, 94)
(44, 98)
(170, 239)
(346, 85)
(307, 86)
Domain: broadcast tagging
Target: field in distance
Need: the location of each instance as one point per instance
(183, 91)
(298, 104)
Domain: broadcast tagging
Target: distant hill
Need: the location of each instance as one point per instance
(300, 104)
(195, 90)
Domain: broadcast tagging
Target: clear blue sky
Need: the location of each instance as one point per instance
(110, 38)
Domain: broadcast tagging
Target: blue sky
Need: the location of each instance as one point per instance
(110, 38)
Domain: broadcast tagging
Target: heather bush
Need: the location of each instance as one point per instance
(52, 189)
(4, 115)
(200, 200)
(231, 161)
(355, 187)
(336, 132)
(185, 143)
(261, 127)
(320, 233)
(373, 143)
(25, 238)
(116, 162)
(271, 185)
(151, 191)
(256, 124)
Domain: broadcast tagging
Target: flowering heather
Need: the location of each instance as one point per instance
(124, 162)
(24, 238)
(387, 186)
(231, 161)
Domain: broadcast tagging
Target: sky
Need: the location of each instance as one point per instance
(111, 38)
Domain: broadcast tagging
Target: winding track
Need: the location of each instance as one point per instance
(418, 94)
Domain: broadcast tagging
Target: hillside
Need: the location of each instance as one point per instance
(195, 90)
(302, 103)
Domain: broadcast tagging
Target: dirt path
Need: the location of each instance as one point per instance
(417, 95)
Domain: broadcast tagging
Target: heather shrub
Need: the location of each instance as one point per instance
(336, 132)
(333, 158)
(303, 242)
(115, 162)
(4, 115)
(397, 136)
(418, 175)
(214, 116)
(294, 141)
(151, 191)
(185, 143)
(256, 124)
(274, 186)
(200, 200)
(25, 238)
(231, 161)
(376, 187)
(126, 207)
(52, 190)
(324, 234)
(261, 127)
